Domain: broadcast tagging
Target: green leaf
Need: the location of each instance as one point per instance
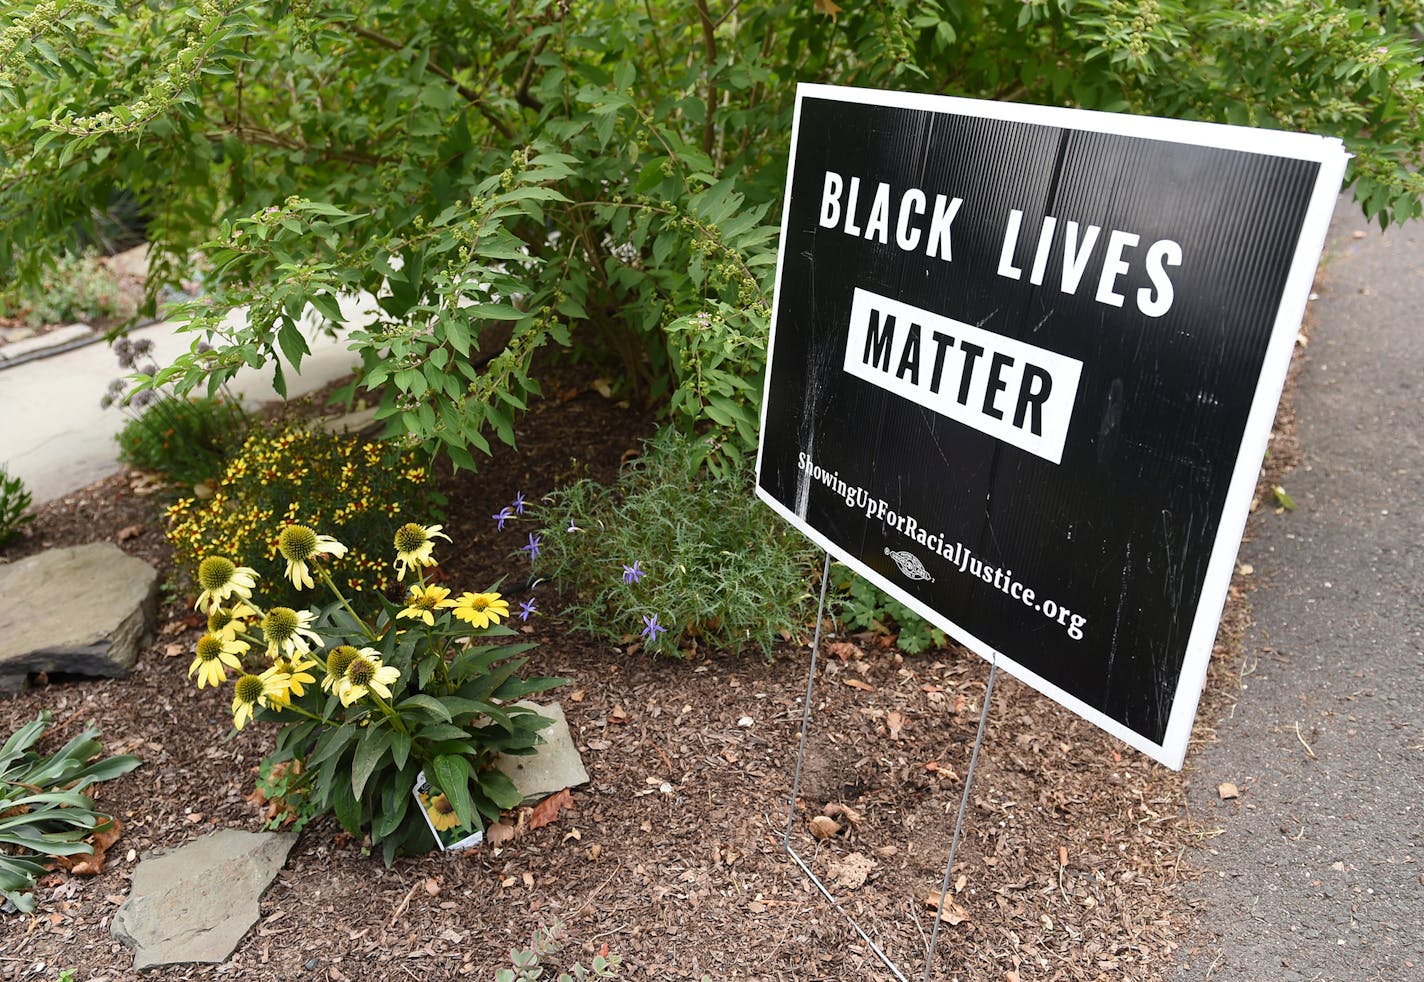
(374, 745)
(429, 705)
(452, 776)
(500, 789)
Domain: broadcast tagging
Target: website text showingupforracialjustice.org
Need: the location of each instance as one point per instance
(956, 554)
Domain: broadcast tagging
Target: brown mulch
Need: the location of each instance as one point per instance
(1070, 868)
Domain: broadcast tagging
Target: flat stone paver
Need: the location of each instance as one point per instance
(196, 903)
(82, 610)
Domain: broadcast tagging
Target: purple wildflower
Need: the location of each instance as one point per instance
(526, 607)
(634, 573)
(518, 505)
(503, 516)
(533, 547)
(652, 628)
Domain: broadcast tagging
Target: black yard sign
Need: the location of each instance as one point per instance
(1023, 368)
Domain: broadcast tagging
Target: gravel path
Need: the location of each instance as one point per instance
(1318, 868)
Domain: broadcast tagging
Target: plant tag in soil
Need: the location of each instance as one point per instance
(440, 816)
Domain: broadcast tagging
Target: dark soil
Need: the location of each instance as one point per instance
(673, 858)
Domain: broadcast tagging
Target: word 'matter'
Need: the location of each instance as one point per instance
(1014, 391)
(914, 223)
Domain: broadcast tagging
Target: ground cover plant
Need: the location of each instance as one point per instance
(15, 501)
(675, 556)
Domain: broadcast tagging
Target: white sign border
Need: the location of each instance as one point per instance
(1330, 154)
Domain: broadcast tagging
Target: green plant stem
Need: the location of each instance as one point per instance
(331, 585)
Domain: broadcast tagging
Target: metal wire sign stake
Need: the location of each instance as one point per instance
(958, 821)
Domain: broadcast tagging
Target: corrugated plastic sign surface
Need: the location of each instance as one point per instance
(1023, 367)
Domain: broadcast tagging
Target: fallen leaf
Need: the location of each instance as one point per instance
(850, 873)
(858, 684)
(829, 8)
(129, 532)
(959, 883)
(528, 879)
(845, 651)
(594, 851)
(823, 826)
(894, 722)
(431, 887)
(1282, 499)
(499, 833)
(618, 715)
(844, 811)
(952, 912)
(1062, 855)
(548, 810)
(174, 649)
(576, 696)
(1227, 790)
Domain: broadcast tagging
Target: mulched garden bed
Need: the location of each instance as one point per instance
(672, 858)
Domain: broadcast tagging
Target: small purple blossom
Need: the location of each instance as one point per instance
(518, 505)
(526, 607)
(652, 628)
(634, 573)
(533, 547)
(503, 516)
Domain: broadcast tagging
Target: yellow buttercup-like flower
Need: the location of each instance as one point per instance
(213, 652)
(423, 601)
(480, 609)
(414, 544)
(289, 632)
(221, 578)
(366, 674)
(298, 545)
(252, 691)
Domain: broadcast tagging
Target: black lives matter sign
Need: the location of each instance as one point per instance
(1023, 368)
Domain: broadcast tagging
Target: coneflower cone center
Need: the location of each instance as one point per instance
(215, 572)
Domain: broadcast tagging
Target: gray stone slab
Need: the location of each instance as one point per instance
(83, 610)
(556, 765)
(197, 902)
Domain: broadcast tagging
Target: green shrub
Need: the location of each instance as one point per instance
(372, 693)
(42, 812)
(15, 501)
(77, 288)
(186, 439)
(357, 490)
(861, 606)
(596, 175)
(674, 546)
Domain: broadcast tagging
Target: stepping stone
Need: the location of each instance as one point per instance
(197, 902)
(83, 610)
(554, 766)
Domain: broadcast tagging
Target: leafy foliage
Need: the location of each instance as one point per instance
(187, 440)
(15, 501)
(43, 812)
(78, 288)
(528, 963)
(861, 606)
(286, 473)
(599, 176)
(672, 541)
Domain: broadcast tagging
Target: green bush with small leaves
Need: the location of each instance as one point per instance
(528, 963)
(675, 547)
(187, 439)
(43, 812)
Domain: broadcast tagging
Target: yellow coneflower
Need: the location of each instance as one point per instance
(414, 544)
(480, 609)
(213, 652)
(299, 544)
(221, 578)
(423, 601)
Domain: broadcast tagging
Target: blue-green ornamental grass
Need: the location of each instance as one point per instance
(673, 555)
